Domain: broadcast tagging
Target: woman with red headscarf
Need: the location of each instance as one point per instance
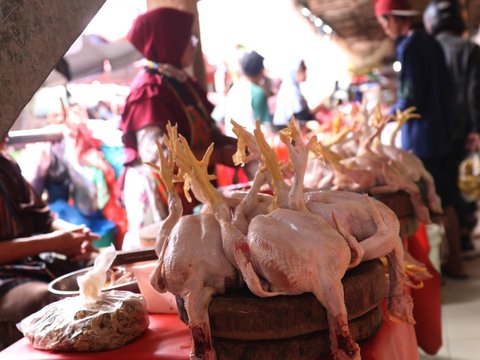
(163, 92)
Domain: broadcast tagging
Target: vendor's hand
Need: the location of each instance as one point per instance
(473, 142)
(75, 243)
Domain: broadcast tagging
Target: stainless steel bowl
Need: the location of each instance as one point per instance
(66, 285)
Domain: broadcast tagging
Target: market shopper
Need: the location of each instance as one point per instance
(163, 92)
(247, 100)
(290, 101)
(443, 19)
(424, 82)
(27, 229)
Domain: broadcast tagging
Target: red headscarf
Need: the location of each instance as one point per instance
(394, 7)
(162, 34)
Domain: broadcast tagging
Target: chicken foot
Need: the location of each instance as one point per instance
(196, 305)
(341, 343)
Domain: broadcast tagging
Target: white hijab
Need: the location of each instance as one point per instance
(289, 98)
(238, 107)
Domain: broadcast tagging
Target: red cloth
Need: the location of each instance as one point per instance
(394, 341)
(427, 309)
(230, 176)
(168, 339)
(162, 34)
(384, 7)
(89, 153)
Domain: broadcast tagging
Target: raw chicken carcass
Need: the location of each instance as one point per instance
(377, 229)
(412, 165)
(283, 260)
(415, 171)
(296, 252)
(372, 173)
(358, 162)
(194, 268)
(369, 221)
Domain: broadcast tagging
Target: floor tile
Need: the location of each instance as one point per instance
(436, 357)
(461, 315)
(465, 349)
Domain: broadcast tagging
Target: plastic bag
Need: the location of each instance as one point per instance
(469, 177)
(92, 321)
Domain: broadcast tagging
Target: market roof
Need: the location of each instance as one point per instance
(354, 20)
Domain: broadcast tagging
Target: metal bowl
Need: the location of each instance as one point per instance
(66, 285)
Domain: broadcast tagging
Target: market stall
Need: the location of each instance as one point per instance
(266, 242)
(379, 344)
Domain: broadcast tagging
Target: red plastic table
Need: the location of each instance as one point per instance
(168, 339)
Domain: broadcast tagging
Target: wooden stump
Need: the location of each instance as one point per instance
(401, 205)
(293, 327)
(399, 202)
(305, 347)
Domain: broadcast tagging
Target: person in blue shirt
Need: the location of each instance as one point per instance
(424, 82)
(443, 19)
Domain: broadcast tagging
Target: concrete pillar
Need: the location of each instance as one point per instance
(191, 6)
(34, 35)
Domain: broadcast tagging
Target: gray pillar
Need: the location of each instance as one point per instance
(34, 35)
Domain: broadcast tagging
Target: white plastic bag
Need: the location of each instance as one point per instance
(92, 321)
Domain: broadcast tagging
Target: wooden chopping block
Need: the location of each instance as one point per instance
(399, 202)
(401, 205)
(245, 316)
(304, 347)
(283, 327)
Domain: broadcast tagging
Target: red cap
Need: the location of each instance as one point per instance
(394, 7)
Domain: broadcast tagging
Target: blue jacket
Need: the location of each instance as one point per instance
(424, 82)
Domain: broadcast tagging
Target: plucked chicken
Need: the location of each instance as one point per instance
(292, 252)
(192, 263)
(369, 221)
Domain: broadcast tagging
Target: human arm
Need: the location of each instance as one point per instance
(27, 226)
(76, 242)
